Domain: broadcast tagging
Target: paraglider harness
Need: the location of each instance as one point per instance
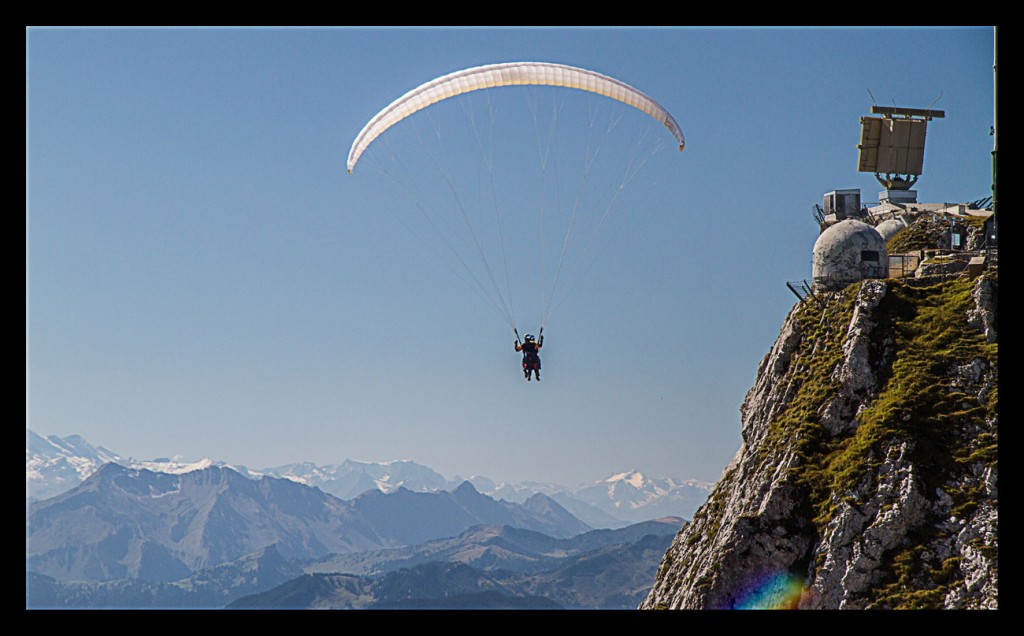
(529, 347)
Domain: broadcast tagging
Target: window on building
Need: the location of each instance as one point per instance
(869, 255)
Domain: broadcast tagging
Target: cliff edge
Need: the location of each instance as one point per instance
(866, 477)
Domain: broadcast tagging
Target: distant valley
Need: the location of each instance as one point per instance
(486, 567)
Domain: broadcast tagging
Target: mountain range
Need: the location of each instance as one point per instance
(55, 464)
(104, 530)
(135, 523)
(129, 537)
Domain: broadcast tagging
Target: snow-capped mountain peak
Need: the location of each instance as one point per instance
(634, 478)
(173, 466)
(54, 465)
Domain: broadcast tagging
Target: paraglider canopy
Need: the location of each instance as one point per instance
(507, 74)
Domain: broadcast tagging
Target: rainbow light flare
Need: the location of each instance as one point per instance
(772, 592)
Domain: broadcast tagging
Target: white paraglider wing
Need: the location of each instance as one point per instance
(508, 74)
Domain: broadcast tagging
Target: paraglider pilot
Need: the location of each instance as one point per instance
(531, 359)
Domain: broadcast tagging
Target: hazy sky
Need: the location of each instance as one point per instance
(204, 279)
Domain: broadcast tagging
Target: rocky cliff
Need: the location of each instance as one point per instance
(866, 477)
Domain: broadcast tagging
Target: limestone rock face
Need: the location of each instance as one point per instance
(866, 477)
(983, 315)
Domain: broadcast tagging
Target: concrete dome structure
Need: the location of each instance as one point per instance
(847, 252)
(890, 227)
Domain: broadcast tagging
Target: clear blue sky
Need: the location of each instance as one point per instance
(204, 279)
